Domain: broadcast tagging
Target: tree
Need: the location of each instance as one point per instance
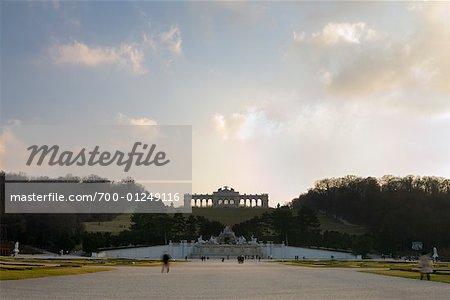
(307, 220)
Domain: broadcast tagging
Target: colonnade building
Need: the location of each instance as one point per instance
(227, 197)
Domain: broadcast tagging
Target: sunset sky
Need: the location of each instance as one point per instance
(279, 95)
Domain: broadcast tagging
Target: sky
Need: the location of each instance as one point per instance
(279, 94)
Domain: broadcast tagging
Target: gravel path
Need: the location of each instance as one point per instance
(228, 280)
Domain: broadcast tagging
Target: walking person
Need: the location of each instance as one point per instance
(165, 261)
(426, 266)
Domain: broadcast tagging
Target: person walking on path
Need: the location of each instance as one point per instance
(426, 266)
(165, 261)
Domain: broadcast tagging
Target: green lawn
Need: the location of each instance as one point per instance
(358, 264)
(84, 262)
(376, 264)
(8, 272)
(116, 225)
(412, 275)
(333, 224)
(21, 268)
(229, 216)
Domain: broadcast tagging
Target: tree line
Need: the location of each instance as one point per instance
(155, 229)
(397, 210)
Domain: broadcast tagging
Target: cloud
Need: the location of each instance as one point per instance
(355, 62)
(150, 41)
(7, 136)
(127, 56)
(421, 65)
(2, 149)
(124, 120)
(335, 33)
(172, 40)
(299, 36)
(247, 125)
(164, 46)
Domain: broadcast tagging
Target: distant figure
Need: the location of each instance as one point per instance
(240, 259)
(425, 265)
(435, 254)
(223, 259)
(16, 249)
(185, 258)
(165, 260)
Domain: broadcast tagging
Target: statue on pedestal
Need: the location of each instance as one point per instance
(16, 249)
(435, 254)
(241, 240)
(200, 240)
(213, 240)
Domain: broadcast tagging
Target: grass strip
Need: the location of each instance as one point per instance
(358, 264)
(411, 275)
(84, 262)
(44, 271)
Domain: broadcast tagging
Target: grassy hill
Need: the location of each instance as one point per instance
(227, 216)
(333, 224)
(116, 225)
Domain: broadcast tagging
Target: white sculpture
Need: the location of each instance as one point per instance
(16, 249)
(435, 254)
(200, 240)
(213, 240)
(241, 240)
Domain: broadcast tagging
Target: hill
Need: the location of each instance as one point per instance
(399, 211)
(229, 216)
(332, 224)
(116, 225)
(226, 216)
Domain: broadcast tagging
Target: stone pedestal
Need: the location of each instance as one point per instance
(231, 251)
